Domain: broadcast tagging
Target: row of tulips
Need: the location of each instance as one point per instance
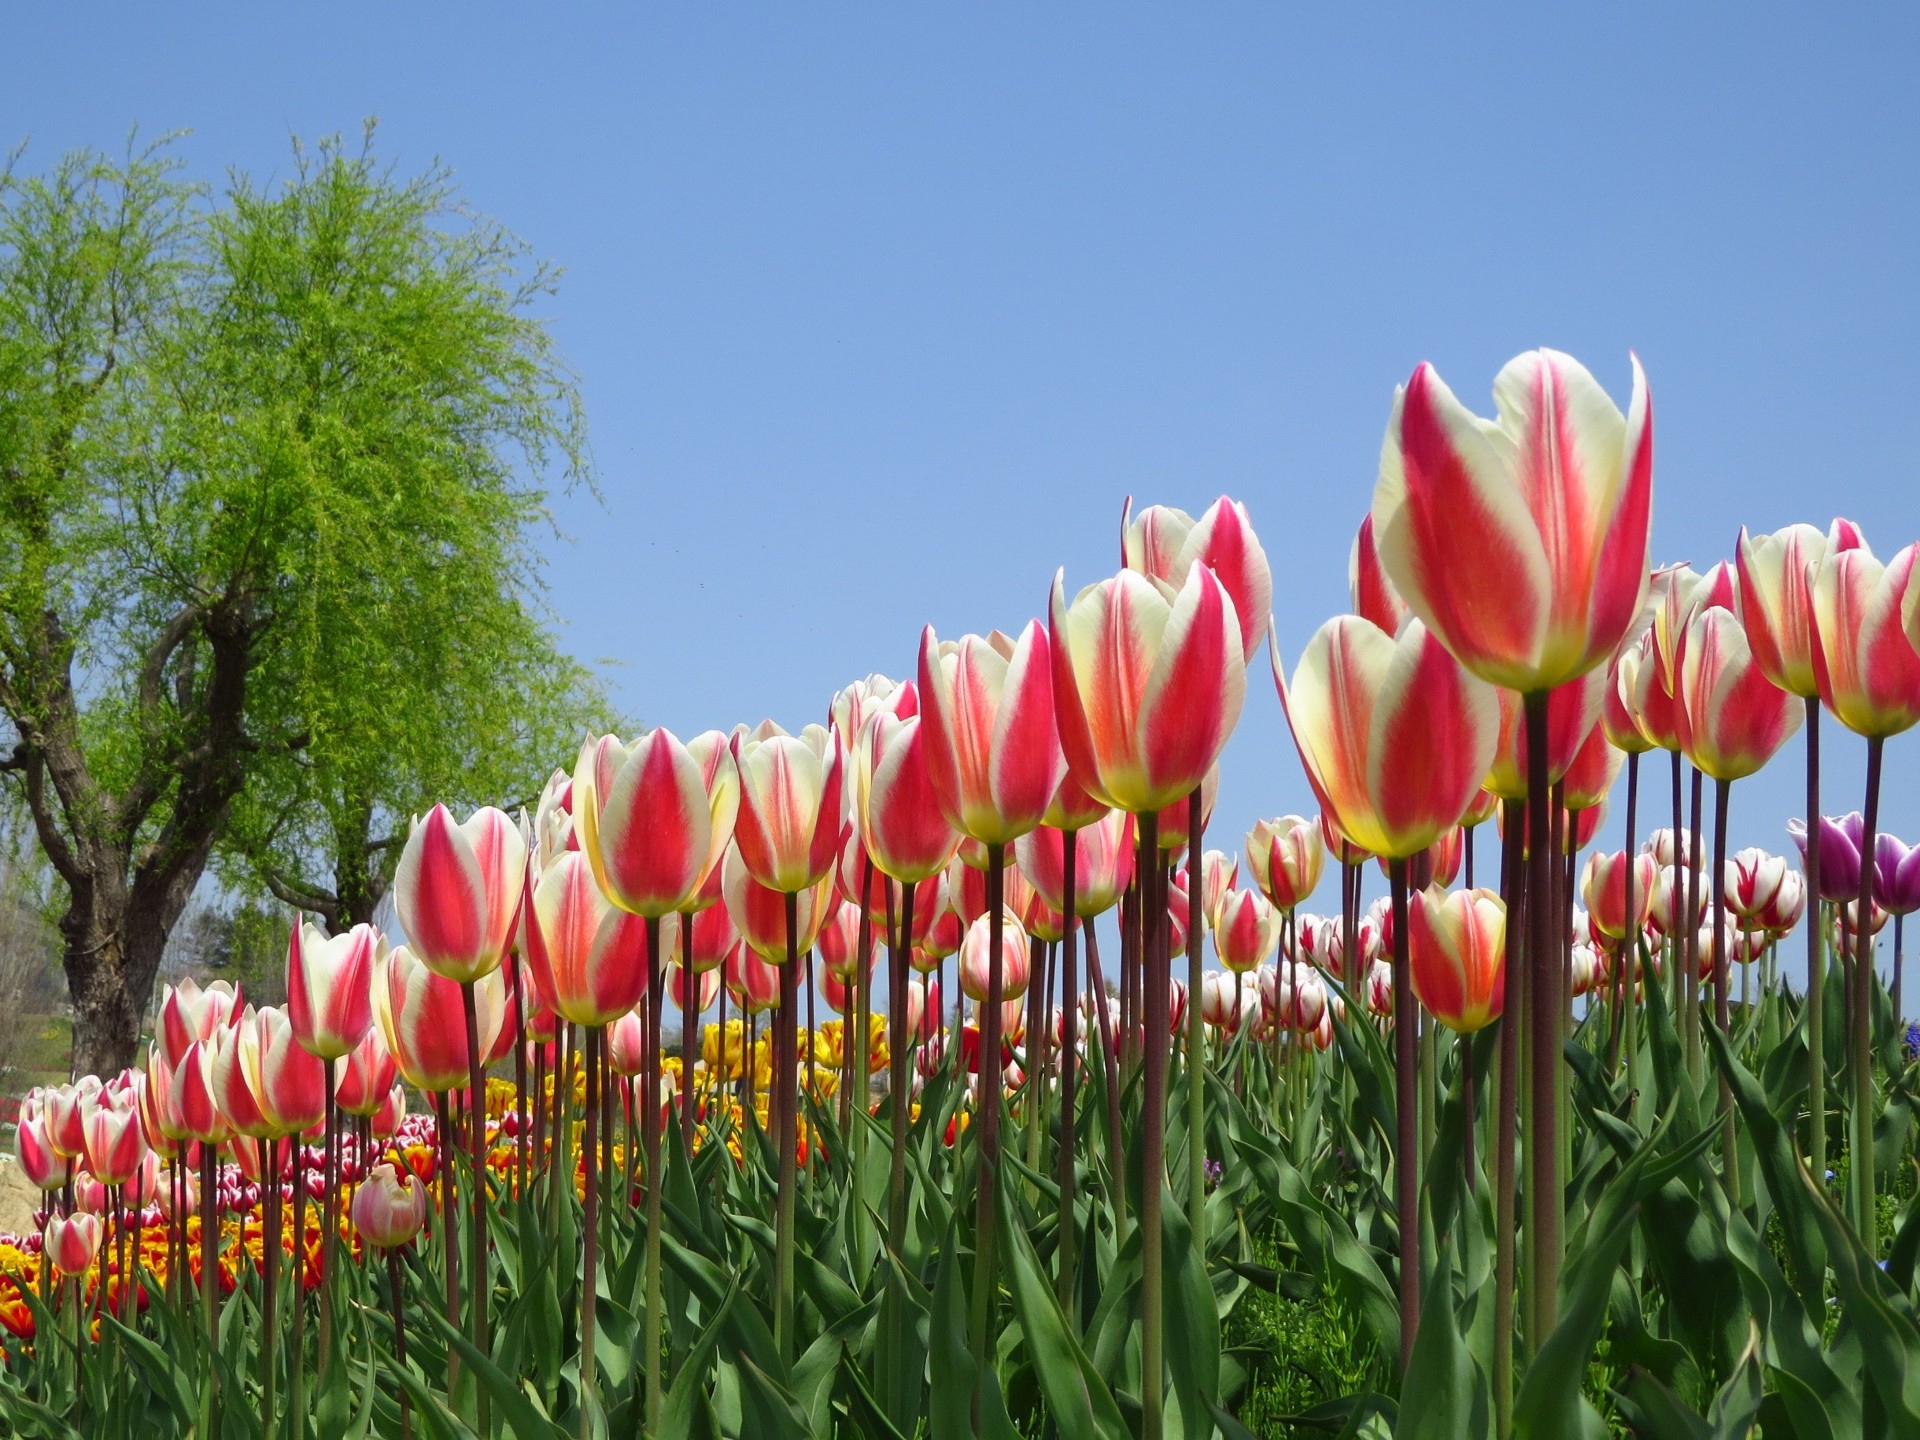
(988, 810)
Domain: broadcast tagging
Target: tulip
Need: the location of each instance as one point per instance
(648, 820)
(1394, 734)
(1552, 499)
(44, 1167)
(1776, 601)
(1665, 913)
(1285, 857)
(421, 1020)
(115, 1143)
(1606, 886)
(706, 986)
(233, 1060)
(1839, 853)
(789, 824)
(1147, 684)
(1374, 597)
(1458, 956)
(1167, 545)
(329, 987)
(1733, 719)
(1750, 881)
(588, 958)
(1573, 712)
(906, 832)
(457, 890)
(1246, 930)
(626, 1041)
(1586, 968)
(72, 1242)
(190, 1013)
(976, 960)
(287, 1082)
(1103, 859)
(1867, 668)
(754, 984)
(389, 1207)
(1788, 905)
(369, 1074)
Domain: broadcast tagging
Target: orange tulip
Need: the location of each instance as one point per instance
(1457, 955)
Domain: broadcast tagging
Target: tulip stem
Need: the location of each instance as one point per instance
(270, 1286)
(898, 1085)
(1196, 1035)
(210, 1265)
(853, 1048)
(1545, 1022)
(785, 1116)
(1069, 1072)
(1155, 986)
(1691, 933)
(1816, 960)
(1722, 1009)
(1862, 1017)
(590, 1224)
(1110, 1062)
(690, 1010)
(992, 1081)
(477, 1279)
(1406, 1158)
(650, 1140)
(1507, 1059)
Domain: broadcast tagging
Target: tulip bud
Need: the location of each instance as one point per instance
(72, 1242)
(1457, 954)
(389, 1207)
(976, 954)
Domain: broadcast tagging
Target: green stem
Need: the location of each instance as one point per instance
(1153, 1146)
(1862, 1017)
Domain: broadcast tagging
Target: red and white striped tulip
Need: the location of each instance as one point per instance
(1552, 501)
(1103, 858)
(1246, 930)
(1788, 905)
(752, 982)
(1776, 600)
(115, 1141)
(44, 1167)
(901, 820)
(653, 816)
(1395, 734)
(627, 1045)
(72, 1242)
(1733, 719)
(423, 1018)
(987, 710)
(793, 807)
(759, 913)
(706, 988)
(1374, 597)
(234, 1062)
(976, 958)
(289, 1084)
(1573, 711)
(1285, 858)
(458, 890)
(1457, 942)
(1867, 664)
(330, 987)
(367, 1076)
(1603, 886)
(1753, 878)
(1167, 545)
(588, 957)
(190, 1012)
(195, 1098)
(1147, 685)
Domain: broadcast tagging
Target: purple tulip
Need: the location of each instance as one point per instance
(1896, 874)
(1839, 853)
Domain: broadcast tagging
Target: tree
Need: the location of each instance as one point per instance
(246, 442)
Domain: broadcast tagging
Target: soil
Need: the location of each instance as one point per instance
(18, 1199)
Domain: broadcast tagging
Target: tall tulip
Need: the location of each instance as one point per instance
(792, 816)
(987, 706)
(1553, 499)
(1395, 736)
(1459, 956)
(1868, 671)
(1168, 545)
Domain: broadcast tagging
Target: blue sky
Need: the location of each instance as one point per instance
(881, 310)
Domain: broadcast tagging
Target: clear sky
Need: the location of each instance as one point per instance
(880, 310)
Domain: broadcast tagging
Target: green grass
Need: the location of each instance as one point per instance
(1300, 1354)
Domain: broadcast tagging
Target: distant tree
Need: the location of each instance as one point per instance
(269, 463)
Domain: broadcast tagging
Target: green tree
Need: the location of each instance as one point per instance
(269, 460)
